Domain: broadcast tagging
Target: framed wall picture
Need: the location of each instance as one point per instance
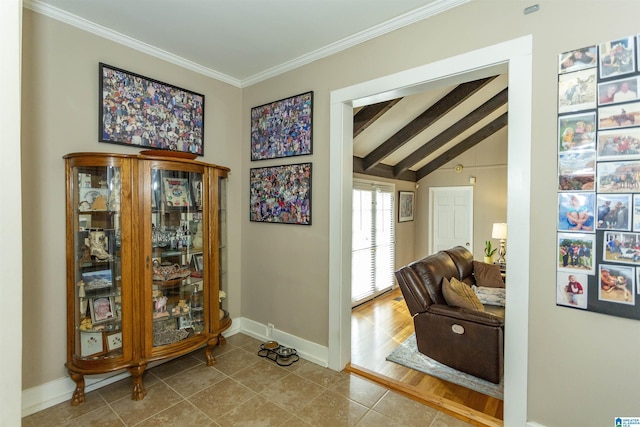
(282, 128)
(617, 57)
(619, 116)
(576, 212)
(405, 206)
(572, 290)
(281, 194)
(138, 111)
(577, 91)
(576, 253)
(578, 59)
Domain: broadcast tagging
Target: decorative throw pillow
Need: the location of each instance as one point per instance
(458, 294)
(490, 296)
(487, 275)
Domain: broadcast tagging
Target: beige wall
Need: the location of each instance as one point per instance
(566, 346)
(59, 116)
(582, 366)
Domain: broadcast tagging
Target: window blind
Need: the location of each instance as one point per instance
(373, 240)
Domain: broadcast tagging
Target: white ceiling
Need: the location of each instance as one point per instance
(240, 42)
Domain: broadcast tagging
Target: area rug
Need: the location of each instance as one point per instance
(407, 355)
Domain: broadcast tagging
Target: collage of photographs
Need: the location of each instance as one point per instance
(598, 245)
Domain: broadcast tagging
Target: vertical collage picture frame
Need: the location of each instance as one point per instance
(598, 215)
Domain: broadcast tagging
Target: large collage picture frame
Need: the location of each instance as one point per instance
(598, 221)
(281, 194)
(138, 111)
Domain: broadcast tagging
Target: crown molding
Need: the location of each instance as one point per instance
(409, 18)
(109, 34)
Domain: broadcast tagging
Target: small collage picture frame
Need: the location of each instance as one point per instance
(598, 221)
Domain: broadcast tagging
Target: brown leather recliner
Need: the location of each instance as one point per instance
(468, 340)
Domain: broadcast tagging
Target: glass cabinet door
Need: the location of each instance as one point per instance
(222, 247)
(96, 206)
(178, 243)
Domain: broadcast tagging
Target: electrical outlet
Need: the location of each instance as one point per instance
(270, 328)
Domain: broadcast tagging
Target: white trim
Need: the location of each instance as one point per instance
(11, 219)
(409, 18)
(308, 350)
(514, 56)
(60, 390)
(114, 36)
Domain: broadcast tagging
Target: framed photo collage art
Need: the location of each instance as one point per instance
(281, 129)
(598, 229)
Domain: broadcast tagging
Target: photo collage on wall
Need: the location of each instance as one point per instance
(598, 245)
(280, 129)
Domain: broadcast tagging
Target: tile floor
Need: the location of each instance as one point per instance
(244, 389)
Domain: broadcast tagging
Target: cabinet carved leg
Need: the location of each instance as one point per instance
(78, 394)
(138, 392)
(208, 352)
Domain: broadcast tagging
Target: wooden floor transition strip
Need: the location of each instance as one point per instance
(454, 409)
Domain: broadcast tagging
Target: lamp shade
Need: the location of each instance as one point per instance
(499, 231)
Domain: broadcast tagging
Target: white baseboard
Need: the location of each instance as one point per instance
(534, 424)
(306, 349)
(41, 397)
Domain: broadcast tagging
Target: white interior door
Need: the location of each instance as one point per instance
(451, 213)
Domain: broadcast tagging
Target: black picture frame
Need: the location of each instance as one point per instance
(598, 268)
(406, 205)
(138, 111)
(281, 194)
(282, 128)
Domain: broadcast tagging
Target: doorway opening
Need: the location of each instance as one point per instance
(513, 57)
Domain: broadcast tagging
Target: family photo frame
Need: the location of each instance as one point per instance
(598, 230)
(142, 112)
(282, 128)
(102, 309)
(281, 194)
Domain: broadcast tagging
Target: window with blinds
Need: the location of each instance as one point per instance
(373, 240)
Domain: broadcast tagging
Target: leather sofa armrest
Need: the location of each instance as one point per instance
(461, 313)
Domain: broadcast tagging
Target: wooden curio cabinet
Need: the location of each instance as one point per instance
(146, 262)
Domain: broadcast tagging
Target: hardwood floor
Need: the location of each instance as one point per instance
(381, 325)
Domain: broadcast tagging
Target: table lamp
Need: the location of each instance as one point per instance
(500, 232)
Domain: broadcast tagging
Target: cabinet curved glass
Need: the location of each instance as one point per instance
(144, 262)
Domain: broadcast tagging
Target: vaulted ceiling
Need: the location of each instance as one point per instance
(408, 138)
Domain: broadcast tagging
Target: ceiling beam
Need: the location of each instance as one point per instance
(369, 114)
(462, 146)
(424, 120)
(382, 171)
(461, 126)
